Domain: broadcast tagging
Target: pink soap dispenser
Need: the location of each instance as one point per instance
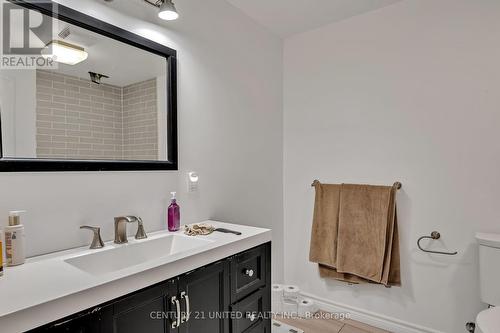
(174, 214)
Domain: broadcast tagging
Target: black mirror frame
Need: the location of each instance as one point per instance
(90, 23)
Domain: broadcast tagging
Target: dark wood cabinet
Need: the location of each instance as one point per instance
(205, 296)
(248, 272)
(149, 310)
(229, 296)
(250, 309)
(251, 291)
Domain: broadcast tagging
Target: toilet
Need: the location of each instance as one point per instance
(488, 321)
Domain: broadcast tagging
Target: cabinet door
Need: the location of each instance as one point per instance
(205, 299)
(150, 310)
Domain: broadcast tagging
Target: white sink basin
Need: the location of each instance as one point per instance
(131, 254)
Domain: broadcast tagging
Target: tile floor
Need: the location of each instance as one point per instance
(330, 326)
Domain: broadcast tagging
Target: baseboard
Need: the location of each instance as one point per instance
(368, 317)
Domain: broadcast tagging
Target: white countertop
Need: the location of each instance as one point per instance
(47, 288)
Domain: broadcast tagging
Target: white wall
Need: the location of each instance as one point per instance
(230, 125)
(18, 112)
(410, 92)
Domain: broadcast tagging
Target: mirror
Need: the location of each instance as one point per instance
(97, 98)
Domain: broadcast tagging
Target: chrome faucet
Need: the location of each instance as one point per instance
(121, 228)
(97, 242)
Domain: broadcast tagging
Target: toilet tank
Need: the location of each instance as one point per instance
(489, 267)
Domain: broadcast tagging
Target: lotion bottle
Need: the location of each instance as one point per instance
(14, 239)
(174, 214)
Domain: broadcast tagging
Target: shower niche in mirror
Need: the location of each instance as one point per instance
(104, 99)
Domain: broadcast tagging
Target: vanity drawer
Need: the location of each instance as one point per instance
(252, 311)
(248, 272)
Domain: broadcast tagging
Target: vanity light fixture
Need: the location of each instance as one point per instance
(167, 10)
(64, 52)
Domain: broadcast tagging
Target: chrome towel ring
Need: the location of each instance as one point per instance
(434, 235)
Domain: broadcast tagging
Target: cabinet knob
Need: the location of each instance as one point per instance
(249, 272)
(251, 316)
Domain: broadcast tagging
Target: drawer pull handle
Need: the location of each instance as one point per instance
(185, 316)
(249, 272)
(252, 316)
(177, 321)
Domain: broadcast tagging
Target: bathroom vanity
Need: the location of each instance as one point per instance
(198, 301)
(215, 283)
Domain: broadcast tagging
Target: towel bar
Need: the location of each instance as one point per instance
(397, 185)
(434, 235)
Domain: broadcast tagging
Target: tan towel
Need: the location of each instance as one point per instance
(331, 273)
(323, 249)
(354, 236)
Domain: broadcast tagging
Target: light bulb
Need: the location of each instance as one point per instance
(167, 11)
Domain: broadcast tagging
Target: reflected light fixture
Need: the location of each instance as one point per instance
(167, 11)
(65, 53)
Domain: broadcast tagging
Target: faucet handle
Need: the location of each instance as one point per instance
(97, 242)
(141, 233)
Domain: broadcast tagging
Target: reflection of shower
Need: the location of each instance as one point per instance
(96, 77)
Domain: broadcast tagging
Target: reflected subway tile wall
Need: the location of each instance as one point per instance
(140, 121)
(76, 118)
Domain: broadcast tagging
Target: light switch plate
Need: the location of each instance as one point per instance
(193, 180)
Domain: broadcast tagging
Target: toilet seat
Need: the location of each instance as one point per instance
(488, 321)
